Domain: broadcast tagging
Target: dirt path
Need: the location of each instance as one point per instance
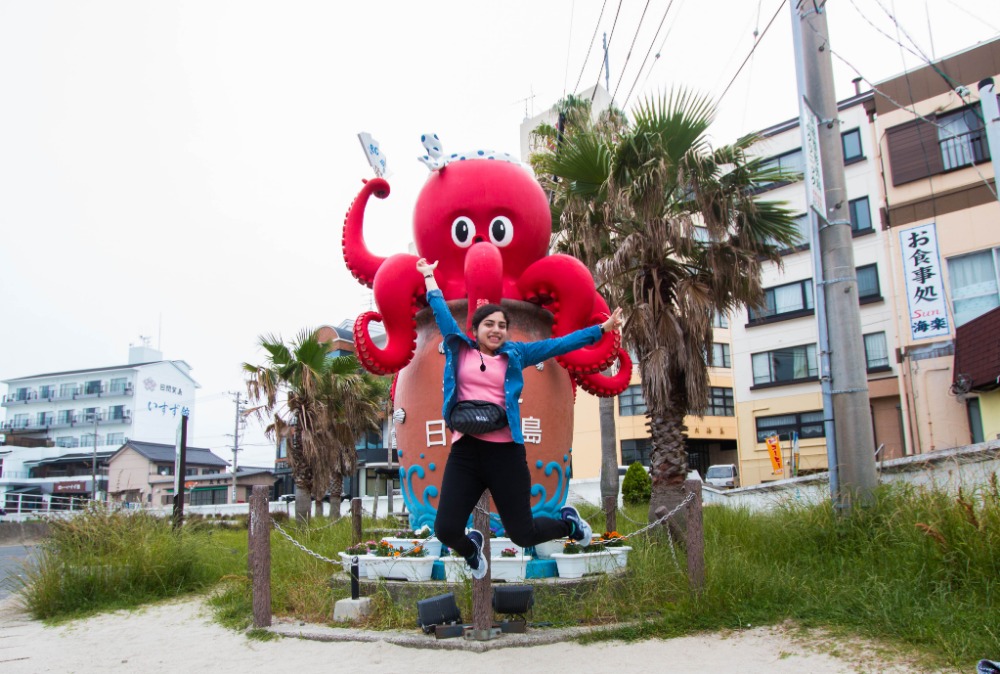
(181, 636)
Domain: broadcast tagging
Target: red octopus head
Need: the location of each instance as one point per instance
(489, 201)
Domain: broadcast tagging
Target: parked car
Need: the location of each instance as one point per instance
(723, 475)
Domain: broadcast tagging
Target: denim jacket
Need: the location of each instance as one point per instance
(519, 356)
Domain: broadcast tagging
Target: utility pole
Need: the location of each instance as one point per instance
(236, 441)
(93, 463)
(607, 73)
(853, 459)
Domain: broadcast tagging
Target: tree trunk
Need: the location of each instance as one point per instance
(336, 489)
(318, 507)
(609, 462)
(301, 505)
(668, 463)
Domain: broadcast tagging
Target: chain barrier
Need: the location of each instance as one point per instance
(302, 547)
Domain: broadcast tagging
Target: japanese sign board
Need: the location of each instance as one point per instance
(815, 193)
(774, 451)
(924, 285)
(373, 153)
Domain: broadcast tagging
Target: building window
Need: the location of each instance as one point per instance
(116, 413)
(802, 235)
(876, 352)
(719, 320)
(207, 496)
(631, 403)
(116, 439)
(90, 414)
(65, 417)
(720, 402)
(719, 356)
(962, 138)
(21, 421)
(370, 440)
(21, 394)
(851, 142)
(118, 385)
(283, 448)
(636, 450)
(861, 215)
(791, 298)
(92, 387)
(91, 440)
(167, 469)
(806, 424)
(792, 164)
(47, 391)
(788, 365)
(973, 281)
(43, 419)
(868, 287)
(67, 441)
(67, 390)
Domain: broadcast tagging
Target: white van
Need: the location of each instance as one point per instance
(723, 475)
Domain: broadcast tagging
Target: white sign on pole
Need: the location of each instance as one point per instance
(924, 286)
(815, 195)
(373, 153)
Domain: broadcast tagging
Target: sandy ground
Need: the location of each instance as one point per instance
(181, 636)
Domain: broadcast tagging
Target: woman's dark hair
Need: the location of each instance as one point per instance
(484, 311)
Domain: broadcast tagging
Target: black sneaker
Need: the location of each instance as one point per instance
(582, 533)
(477, 563)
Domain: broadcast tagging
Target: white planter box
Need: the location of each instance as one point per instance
(510, 569)
(432, 545)
(498, 545)
(548, 548)
(363, 561)
(455, 569)
(579, 565)
(403, 568)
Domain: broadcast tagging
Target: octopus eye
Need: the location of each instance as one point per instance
(462, 231)
(501, 230)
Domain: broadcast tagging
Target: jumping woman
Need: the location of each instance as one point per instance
(488, 368)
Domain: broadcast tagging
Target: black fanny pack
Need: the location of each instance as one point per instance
(475, 417)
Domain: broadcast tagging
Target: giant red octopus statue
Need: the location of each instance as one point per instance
(486, 220)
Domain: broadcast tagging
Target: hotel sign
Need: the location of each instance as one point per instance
(924, 285)
(75, 487)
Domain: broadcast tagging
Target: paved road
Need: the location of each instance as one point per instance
(11, 557)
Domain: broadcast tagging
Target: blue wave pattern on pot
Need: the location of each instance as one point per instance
(423, 513)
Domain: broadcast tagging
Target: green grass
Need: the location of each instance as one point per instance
(917, 570)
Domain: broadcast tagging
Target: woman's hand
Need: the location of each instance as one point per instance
(426, 268)
(614, 321)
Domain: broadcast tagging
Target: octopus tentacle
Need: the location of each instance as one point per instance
(360, 261)
(605, 386)
(483, 277)
(398, 289)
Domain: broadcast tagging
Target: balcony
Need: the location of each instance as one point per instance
(964, 149)
(19, 398)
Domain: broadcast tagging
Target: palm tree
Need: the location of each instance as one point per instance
(329, 402)
(583, 204)
(680, 237)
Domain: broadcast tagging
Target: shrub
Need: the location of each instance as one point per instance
(637, 485)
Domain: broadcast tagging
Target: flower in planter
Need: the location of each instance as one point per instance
(361, 548)
(422, 533)
(508, 552)
(384, 549)
(612, 539)
(416, 551)
(573, 548)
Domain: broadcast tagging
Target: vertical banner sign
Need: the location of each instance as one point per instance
(795, 453)
(774, 450)
(815, 195)
(180, 467)
(924, 286)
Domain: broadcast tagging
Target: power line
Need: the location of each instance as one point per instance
(752, 50)
(607, 47)
(979, 19)
(659, 51)
(591, 46)
(569, 44)
(648, 52)
(630, 48)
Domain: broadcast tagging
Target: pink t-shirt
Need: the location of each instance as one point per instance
(474, 384)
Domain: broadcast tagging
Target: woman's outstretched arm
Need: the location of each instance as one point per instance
(442, 314)
(536, 352)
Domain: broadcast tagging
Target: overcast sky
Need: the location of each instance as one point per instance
(180, 170)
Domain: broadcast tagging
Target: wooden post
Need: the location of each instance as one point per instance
(695, 537)
(259, 557)
(611, 513)
(356, 520)
(482, 609)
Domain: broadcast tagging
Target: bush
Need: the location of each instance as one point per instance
(637, 485)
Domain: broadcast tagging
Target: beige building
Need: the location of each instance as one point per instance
(143, 472)
(942, 221)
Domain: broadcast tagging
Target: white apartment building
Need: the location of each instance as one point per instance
(56, 422)
(776, 352)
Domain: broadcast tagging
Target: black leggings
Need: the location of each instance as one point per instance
(502, 467)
